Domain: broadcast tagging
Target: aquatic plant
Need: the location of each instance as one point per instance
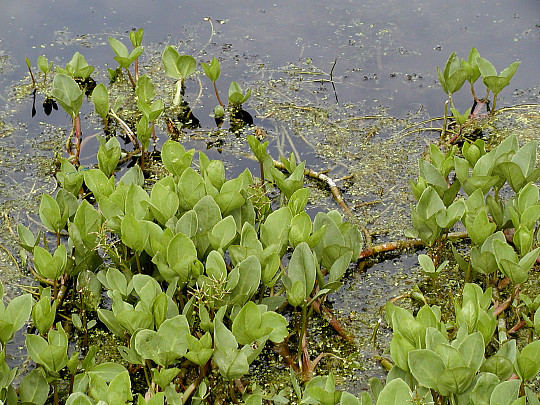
(201, 272)
(124, 57)
(70, 96)
(457, 71)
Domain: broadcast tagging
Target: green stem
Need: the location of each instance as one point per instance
(445, 118)
(85, 327)
(146, 369)
(138, 262)
(55, 386)
(31, 75)
(494, 103)
(473, 93)
(77, 126)
(303, 328)
(232, 393)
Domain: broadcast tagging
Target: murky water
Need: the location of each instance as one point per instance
(382, 55)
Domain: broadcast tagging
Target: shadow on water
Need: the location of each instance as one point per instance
(328, 81)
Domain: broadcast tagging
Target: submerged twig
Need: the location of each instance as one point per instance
(331, 319)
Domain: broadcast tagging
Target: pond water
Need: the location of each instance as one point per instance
(382, 55)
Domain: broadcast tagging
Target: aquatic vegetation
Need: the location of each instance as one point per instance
(457, 71)
(196, 274)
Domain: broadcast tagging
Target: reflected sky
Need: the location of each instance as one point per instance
(387, 50)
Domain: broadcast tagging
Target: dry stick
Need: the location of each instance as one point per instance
(403, 244)
(330, 182)
(126, 129)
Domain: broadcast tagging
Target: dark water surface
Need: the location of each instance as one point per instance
(385, 55)
(387, 50)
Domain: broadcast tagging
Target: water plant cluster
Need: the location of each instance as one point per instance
(473, 358)
(195, 273)
(191, 271)
(454, 75)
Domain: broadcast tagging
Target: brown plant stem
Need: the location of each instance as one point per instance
(517, 327)
(78, 135)
(331, 319)
(188, 392)
(389, 246)
(217, 95)
(283, 350)
(32, 76)
(131, 78)
(232, 394)
(55, 386)
(506, 303)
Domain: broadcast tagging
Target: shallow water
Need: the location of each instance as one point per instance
(383, 55)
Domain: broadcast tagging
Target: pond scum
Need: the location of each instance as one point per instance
(161, 278)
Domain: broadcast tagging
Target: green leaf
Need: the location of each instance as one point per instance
(175, 158)
(249, 271)
(246, 326)
(108, 156)
(79, 398)
(302, 267)
(134, 234)
(236, 95)
(100, 99)
(396, 392)
(136, 37)
(480, 228)
(528, 362)
(43, 64)
(190, 189)
(50, 266)
(472, 350)
(426, 366)
(455, 380)
(145, 89)
(223, 233)
(232, 363)
(486, 68)
(164, 200)
(177, 66)
(77, 67)
(212, 70)
(67, 93)
(43, 314)
(505, 393)
(50, 215)
(300, 229)
(496, 83)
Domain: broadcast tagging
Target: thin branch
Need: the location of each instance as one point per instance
(402, 244)
(126, 129)
(324, 178)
